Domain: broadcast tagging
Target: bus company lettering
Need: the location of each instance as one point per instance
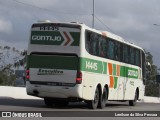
(47, 38)
(49, 72)
(91, 65)
(132, 73)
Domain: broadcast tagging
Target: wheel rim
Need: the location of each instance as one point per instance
(96, 97)
(104, 97)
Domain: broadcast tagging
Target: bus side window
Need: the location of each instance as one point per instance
(137, 58)
(105, 46)
(143, 67)
(117, 51)
(126, 53)
(111, 49)
(88, 42)
(132, 56)
(102, 47)
(95, 44)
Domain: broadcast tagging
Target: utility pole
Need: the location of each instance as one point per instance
(93, 16)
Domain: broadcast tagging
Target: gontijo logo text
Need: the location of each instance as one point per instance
(133, 73)
(47, 38)
(52, 38)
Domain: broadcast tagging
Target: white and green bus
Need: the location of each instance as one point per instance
(73, 62)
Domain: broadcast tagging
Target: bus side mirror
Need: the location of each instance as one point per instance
(158, 79)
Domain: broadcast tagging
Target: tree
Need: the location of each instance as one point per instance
(151, 88)
(10, 60)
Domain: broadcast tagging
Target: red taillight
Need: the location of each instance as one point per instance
(27, 74)
(79, 77)
(27, 77)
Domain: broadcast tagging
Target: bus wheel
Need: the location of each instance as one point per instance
(133, 102)
(103, 99)
(94, 103)
(48, 102)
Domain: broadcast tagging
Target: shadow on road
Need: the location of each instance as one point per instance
(38, 103)
(21, 102)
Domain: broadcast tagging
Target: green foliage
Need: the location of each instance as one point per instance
(7, 74)
(6, 79)
(151, 88)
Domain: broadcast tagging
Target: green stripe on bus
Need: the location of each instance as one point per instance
(72, 63)
(105, 68)
(76, 38)
(132, 73)
(115, 82)
(52, 62)
(114, 69)
(128, 72)
(122, 71)
(95, 66)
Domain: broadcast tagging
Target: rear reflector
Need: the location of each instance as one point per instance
(27, 74)
(27, 77)
(79, 77)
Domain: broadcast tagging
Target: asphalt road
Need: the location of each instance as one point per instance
(75, 109)
(10, 104)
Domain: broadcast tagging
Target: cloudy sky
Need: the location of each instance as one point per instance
(131, 19)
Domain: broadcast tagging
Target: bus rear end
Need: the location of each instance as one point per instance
(53, 61)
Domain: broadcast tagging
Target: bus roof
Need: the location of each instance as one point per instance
(104, 33)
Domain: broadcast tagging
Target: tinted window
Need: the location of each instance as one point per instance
(101, 46)
(111, 46)
(132, 57)
(117, 51)
(125, 54)
(143, 66)
(94, 44)
(137, 57)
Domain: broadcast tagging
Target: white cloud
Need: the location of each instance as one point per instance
(132, 20)
(5, 26)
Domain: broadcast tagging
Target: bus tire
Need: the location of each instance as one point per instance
(94, 103)
(133, 102)
(103, 99)
(48, 102)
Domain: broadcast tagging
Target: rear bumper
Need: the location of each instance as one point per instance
(54, 91)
